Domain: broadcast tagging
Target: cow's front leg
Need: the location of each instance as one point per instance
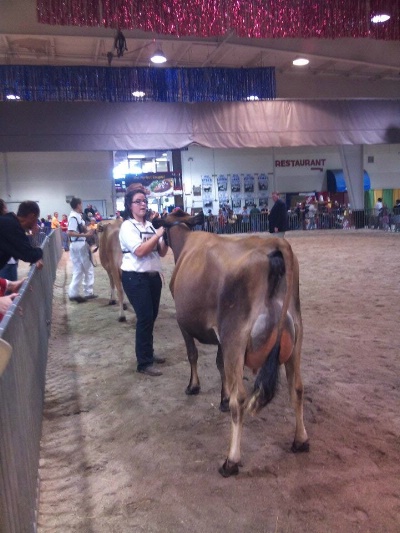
(224, 405)
(193, 355)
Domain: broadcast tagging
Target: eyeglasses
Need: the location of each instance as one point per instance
(138, 202)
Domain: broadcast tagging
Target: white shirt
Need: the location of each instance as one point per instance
(74, 219)
(378, 207)
(132, 234)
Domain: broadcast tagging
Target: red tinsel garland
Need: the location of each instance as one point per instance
(246, 18)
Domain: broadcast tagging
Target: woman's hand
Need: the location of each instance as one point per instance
(160, 231)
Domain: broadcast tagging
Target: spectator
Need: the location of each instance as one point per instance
(64, 232)
(396, 216)
(245, 219)
(278, 216)
(10, 270)
(311, 216)
(82, 266)
(55, 223)
(377, 213)
(13, 239)
(255, 218)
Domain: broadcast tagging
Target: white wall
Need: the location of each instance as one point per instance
(48, 177)
(385, 170)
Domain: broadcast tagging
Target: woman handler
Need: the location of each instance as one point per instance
(142, 247)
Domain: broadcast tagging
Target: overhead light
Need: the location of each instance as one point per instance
(138, 94)
(158, 57)
(11, 94)
(300, 62)
(252, 98)
(13, 97)
(381, 17)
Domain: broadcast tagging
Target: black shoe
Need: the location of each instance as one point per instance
(91, 296)
(158, 360)
(78, 299)
(150, 371)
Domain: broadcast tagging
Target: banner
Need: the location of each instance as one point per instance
(206, 185)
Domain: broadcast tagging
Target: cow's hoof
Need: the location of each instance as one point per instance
(112, 302)
(229, 469)
(224, 405)
(298, 447)
(192, 391)
(124, 307)
(122, 319)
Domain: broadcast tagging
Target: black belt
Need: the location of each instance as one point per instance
(150, 274)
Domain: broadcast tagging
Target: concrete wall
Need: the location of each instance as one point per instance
(49, 177)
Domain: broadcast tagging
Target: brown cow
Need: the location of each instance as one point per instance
(241, 294)
(110, 255)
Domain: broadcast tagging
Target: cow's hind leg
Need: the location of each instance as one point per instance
(233, 365)
(224, 405)
(296, 393)
(193, 355)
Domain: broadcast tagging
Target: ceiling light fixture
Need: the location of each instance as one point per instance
(11, 94)
(379, 18)
(300, 62)
(252, 98)
(158, 57)
(138, 94)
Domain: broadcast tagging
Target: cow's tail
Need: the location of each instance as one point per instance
(267, 379)
(266, 382)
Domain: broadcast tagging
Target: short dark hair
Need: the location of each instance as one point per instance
(75, 202)
(27, 208)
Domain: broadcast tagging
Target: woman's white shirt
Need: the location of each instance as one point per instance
(132, 234)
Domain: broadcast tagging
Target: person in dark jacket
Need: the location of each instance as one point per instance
(13, 239)
(278, 216)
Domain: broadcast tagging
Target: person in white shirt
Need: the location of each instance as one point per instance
(378, 212)
(142, 245)
(82, 266)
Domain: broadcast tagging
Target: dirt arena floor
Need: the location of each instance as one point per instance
(126, 453)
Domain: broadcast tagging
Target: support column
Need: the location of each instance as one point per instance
(353, 170)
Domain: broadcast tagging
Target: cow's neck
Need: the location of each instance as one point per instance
(177, 237)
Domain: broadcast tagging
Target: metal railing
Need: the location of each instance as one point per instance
(26, 327)
(329, 219)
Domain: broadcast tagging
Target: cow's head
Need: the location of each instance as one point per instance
(178, 224)
(178, 217)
